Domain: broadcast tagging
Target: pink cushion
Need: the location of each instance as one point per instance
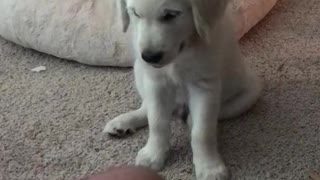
(247, 13)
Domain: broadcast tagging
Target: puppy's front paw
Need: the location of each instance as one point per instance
(211, 171)
(121, 126)
(152, 157)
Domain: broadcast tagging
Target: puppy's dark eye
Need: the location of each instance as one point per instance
(169, 16)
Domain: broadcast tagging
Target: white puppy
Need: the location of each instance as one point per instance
(186, 53)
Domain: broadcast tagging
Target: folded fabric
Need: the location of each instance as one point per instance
(89, 31)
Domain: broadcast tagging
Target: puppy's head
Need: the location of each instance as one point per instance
(162, 28)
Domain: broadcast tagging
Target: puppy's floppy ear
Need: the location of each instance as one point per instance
(122, 6)
(205, 14)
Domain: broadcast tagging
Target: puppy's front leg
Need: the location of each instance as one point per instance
(159, 100)
(204, 108)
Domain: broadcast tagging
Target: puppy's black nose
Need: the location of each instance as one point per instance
(152, 57)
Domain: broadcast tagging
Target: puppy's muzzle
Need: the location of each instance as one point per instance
(152, 57)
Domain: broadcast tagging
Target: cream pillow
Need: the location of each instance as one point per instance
(89, 31)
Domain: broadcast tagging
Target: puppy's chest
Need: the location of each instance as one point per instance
(178, 83)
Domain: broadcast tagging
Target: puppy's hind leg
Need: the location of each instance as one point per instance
(242, 101)
(127, 123)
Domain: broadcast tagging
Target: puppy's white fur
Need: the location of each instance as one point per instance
(201, 66)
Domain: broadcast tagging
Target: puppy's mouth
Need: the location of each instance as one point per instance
(164, 63)
(157, 66)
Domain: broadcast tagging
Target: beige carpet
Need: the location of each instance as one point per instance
(51, 122)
